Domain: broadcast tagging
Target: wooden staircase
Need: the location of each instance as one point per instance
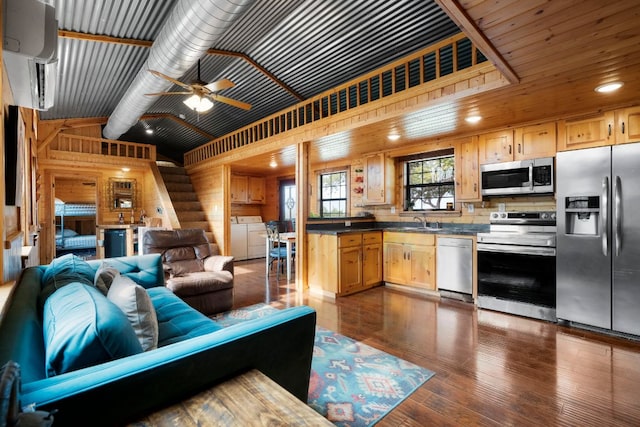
(184, 199)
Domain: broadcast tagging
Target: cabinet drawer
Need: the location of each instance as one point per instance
(425, 239)
(345, 240)
(371, 238)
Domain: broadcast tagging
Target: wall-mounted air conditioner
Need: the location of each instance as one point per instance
(30, 48)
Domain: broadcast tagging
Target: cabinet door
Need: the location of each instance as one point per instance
(496, 147)
(374, 179)
(535, 141)
(378, 180)
(422, 266)
(371, 265)
(628, 128)
(594, 131)
(394, 263)
(350, 269)
(257, 189)
(467, 171)
(239, 189)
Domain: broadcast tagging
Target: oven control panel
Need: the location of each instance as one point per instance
(523, 218)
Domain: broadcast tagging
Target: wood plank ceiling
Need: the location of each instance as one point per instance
(559, 50)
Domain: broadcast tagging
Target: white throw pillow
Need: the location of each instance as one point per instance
(134, 301)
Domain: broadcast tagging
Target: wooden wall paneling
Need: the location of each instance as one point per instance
(302, 187)
(271, 209)
(212, 186)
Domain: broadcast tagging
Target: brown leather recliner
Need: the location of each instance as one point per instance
(193, 268)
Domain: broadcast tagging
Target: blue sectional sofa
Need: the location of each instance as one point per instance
(193, 353)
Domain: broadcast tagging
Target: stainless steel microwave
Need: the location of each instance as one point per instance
(518, 178)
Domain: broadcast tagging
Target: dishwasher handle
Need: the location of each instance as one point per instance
(455, 242)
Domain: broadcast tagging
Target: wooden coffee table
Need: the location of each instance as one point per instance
(251, 399)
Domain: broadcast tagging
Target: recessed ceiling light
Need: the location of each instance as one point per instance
(125, 169)
(393, 137)
(273, 163)
(149, 131)
(473, 119)
(609, 87)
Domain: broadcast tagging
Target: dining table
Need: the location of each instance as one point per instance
(289, 239)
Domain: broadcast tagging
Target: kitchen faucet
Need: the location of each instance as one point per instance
(422, 219)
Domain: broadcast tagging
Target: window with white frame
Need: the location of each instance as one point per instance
(429, 181)
(333, 194)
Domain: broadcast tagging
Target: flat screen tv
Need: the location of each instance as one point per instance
(10, 155)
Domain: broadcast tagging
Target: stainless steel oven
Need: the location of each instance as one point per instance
(517, 264)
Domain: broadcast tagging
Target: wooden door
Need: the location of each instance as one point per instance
(350, 269)
(422, 266)
(239, 189)
(535, 141)
(257, 189)
(374, 179)
(394, 263)
(496, 147)
(628, 125)
(371, 265)
(467, 171)
(593, 131)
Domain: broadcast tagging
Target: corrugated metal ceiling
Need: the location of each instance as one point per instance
(309, 45)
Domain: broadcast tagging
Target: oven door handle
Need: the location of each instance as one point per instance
(516, 250)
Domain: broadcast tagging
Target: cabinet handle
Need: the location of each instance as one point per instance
(519, 148)
(509, 149)
(609, 129)
(475, 186)
(623, 128)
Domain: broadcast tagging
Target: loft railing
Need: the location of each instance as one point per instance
(105, 147)
(445, 58)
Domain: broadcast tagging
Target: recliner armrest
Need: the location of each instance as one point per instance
(218, 263)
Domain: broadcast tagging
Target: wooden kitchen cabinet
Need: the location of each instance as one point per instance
(248, 189)
(528, 142)
(344, 264)
(379, 175)
(239, 189)
(586, 132)
(495, 147)
(257, 189)
(531, 142)
(628, 125)
(410, 259)
(467, 171)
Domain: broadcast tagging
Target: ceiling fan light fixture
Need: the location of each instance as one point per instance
(199, 104)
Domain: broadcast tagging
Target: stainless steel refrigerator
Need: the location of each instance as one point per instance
(598, 242)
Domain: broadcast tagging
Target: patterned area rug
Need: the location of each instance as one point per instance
(352, 384)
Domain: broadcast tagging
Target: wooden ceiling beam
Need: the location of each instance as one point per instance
(177, 120)
(459, 15)
(148, 43)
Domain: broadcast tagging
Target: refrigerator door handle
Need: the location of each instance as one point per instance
(604, 215)
(617, 188)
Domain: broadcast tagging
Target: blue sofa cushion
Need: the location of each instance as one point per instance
(83, 328)
(62, 271)
(177, 321)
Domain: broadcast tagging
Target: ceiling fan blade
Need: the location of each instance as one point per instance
(172, 80)
(168, 93)
(219, 85)
(229, 101)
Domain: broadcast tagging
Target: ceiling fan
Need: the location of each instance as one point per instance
(202, 93)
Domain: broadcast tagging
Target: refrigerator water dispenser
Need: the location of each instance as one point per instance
(582, 215)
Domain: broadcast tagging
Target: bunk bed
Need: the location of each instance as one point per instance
(68, 239)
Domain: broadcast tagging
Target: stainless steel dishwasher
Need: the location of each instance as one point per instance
(454, 258)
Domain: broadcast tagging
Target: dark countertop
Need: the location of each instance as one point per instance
(445, 228)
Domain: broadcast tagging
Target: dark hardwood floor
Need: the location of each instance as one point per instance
(491, 368)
